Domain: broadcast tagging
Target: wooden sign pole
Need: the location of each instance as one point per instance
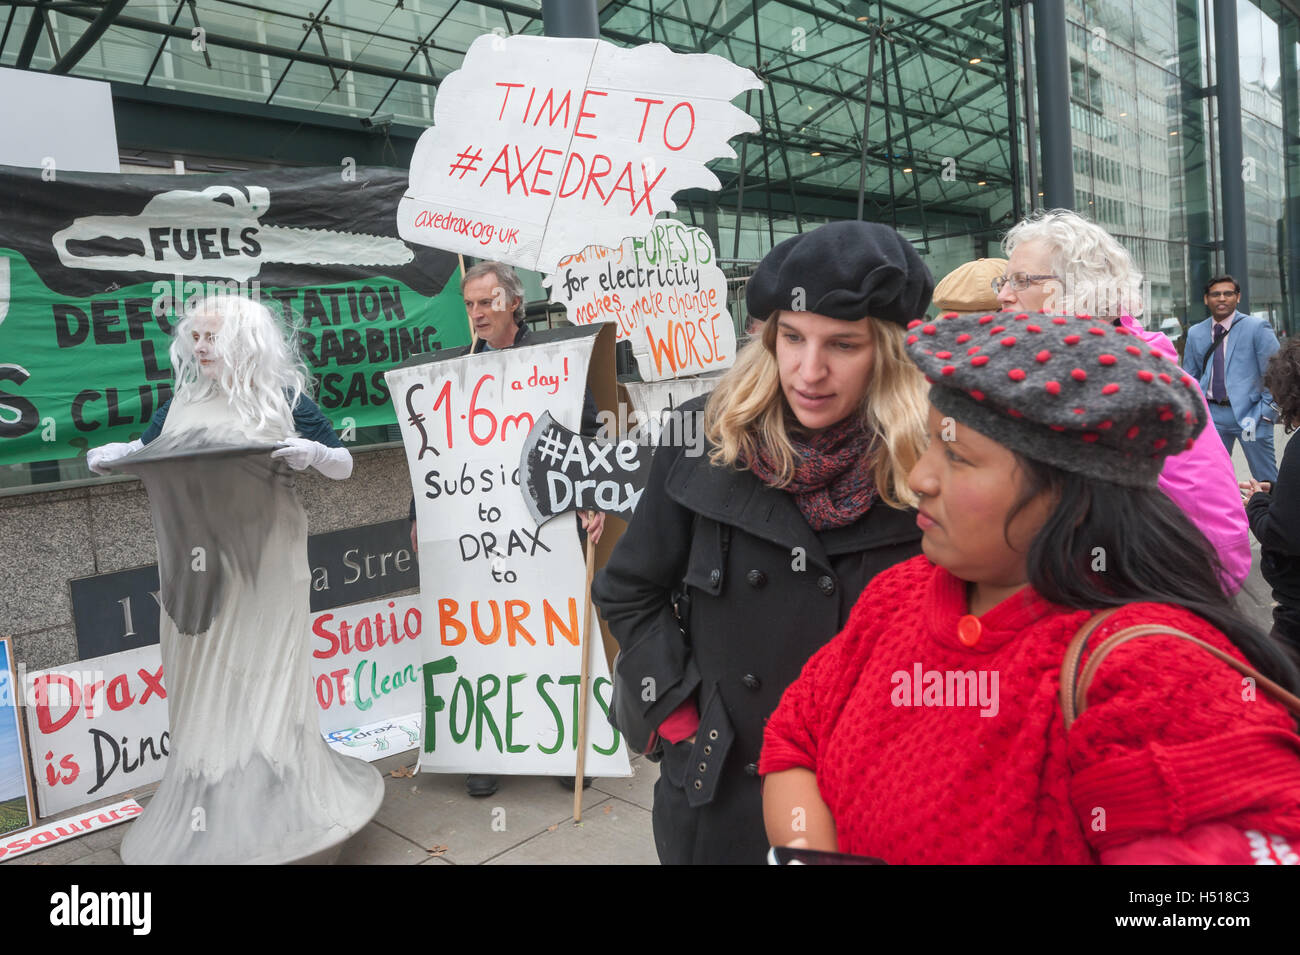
(473, 338)
(582, 684)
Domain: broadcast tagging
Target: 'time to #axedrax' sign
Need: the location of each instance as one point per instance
(502, 597)
(542, 146)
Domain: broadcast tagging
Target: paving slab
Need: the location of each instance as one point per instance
(432, 809)
(378, 845)
(639, 789)
(102, 857)
(615, 832)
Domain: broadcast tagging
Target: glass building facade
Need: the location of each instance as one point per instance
(924, 115)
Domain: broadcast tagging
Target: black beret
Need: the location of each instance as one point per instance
(845, 270)
(1072, 391)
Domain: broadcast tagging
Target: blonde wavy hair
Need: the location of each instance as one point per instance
(748, 410)
(262, 373)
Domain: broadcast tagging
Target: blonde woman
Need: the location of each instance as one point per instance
(747, 552)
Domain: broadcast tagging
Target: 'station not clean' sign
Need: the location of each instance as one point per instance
(542, 146)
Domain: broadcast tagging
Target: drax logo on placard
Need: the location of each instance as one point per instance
(75, 908)
(213, 233)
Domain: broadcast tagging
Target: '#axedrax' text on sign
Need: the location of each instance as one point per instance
(664, 293)
(543, 145)
(503, 598)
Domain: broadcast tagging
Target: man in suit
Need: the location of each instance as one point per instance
(1228, 353)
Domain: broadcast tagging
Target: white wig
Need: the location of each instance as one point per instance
(262, 375)
(1098, 276)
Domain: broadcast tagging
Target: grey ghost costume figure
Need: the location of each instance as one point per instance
(249, 778)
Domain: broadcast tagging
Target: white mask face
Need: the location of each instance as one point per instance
(205, 334)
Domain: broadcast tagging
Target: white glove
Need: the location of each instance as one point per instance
(302, 453)
(101, 459)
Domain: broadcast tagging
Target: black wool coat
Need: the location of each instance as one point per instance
(757, 592)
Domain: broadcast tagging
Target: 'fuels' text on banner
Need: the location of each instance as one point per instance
(502, 597)
(95, 269)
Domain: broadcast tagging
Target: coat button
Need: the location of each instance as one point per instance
(757, 579)
(826, 585)
(698, 784)
(708, 750)
(969, 630)
(713, 734)
(703, 766)
(751, 681)
(715, 577)
(751, 769)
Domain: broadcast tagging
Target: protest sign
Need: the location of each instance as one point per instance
(47, 834)
(17, 809)
(501, 596)
(544, 145)
(377, 740)
(655, 403)
(94, 269)
(561, 471)
(97, 727)
(663, 292)
(365, 662)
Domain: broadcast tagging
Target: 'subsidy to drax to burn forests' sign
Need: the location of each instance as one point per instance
(94, 269)
(502, 596)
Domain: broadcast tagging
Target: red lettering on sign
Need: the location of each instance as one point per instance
(582, 113)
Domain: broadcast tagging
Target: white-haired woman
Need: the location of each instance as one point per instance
(230, 358)
(1061, 262)
(745, 556)
(234, 592)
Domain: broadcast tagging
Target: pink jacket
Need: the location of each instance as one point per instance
(1203, 483)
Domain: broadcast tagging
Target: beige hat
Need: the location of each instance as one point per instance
(969, 288)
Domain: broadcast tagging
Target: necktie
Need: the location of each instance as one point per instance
(1217, 390)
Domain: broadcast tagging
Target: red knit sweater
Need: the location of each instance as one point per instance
(1170, 739)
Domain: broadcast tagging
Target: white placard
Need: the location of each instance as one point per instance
(377, 740)
(47, 834)
(663, 292)
(502, 597)
(96, 727)
(544, 145)
(99, 727)
(365, 661)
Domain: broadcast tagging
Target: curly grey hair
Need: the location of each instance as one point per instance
(1098, 276)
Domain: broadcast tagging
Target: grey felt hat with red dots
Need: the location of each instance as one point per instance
(1071, 391)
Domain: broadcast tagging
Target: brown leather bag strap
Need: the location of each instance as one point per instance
(1070, 665)
(1077, 693)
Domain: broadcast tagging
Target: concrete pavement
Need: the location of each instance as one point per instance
(427, 819)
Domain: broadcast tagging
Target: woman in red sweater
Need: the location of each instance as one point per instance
(931, 729)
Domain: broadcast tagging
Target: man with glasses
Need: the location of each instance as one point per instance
(1228, 353)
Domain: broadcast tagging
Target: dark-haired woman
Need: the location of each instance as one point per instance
(1274, 511)
(933, 728)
